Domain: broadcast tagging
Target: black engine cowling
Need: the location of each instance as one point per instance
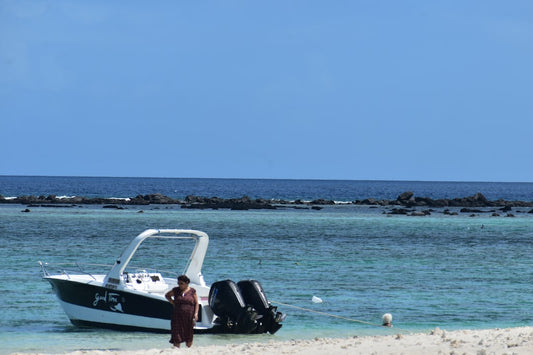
(243, 308)
(227, 303)
(254, 295)
(225, 299)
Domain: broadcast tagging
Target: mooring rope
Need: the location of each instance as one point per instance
(325, 314)
(336, 316)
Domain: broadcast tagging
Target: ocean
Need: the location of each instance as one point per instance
(447, 271)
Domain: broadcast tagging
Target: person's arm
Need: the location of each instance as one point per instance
(196, 307)
(168, 296)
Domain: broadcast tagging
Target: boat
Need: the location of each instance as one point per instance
(133, 298)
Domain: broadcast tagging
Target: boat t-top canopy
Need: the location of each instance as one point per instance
(193, 270)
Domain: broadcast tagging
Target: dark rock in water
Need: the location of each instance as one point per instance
(479, 197)
(369, 201)
(399, 211)
(26, 210)
(236, 204)
(49, 205)
(139, 200)
(447, 212)
(321, 201)
(375, 202)
(441, 203)
(477, 200)
(318, 208)
(531, 211)
(152, 199)
(406, 196)
(408, 199)
(113, 206)
(193, 199)
(424, 201)
(471, 210)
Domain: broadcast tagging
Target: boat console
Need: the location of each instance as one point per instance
(145, 281)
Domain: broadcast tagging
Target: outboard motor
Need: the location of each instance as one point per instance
(233, 314)
(253, 295)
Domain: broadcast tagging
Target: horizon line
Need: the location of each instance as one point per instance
(257, 178)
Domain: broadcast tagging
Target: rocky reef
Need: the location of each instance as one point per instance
(401, 205)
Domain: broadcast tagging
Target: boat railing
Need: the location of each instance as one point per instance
(68, 268)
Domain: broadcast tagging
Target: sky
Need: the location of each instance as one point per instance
(351, 90)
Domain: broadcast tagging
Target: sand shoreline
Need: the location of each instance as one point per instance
(487, 341)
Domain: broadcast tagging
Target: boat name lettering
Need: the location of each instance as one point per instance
(112, 280)
(111, 299)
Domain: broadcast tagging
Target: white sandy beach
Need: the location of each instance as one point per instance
(479, 342)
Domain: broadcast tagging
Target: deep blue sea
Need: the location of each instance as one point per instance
(451, 272)
(338, 190)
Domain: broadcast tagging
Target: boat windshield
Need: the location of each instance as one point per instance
(168, 256)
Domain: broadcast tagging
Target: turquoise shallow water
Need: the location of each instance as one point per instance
(438, 270)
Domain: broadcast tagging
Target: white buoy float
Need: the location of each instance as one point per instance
(387, 320)
(316, 299)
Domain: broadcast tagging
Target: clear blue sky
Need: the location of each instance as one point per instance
(392, 90)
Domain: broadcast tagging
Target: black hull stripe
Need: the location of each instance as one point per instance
(104, 299)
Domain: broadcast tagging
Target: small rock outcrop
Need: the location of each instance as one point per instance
(243, 203)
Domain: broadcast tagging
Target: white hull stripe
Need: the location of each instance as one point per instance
(93, 315)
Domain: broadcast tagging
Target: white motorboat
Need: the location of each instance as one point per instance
(135, 299)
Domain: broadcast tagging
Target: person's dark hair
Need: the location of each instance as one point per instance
(184, 279)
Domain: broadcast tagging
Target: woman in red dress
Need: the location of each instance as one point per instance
(185, 313)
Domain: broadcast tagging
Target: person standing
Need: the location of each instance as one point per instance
(185, 312)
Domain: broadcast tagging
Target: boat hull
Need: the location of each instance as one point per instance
(85, 317)
(93, 305)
